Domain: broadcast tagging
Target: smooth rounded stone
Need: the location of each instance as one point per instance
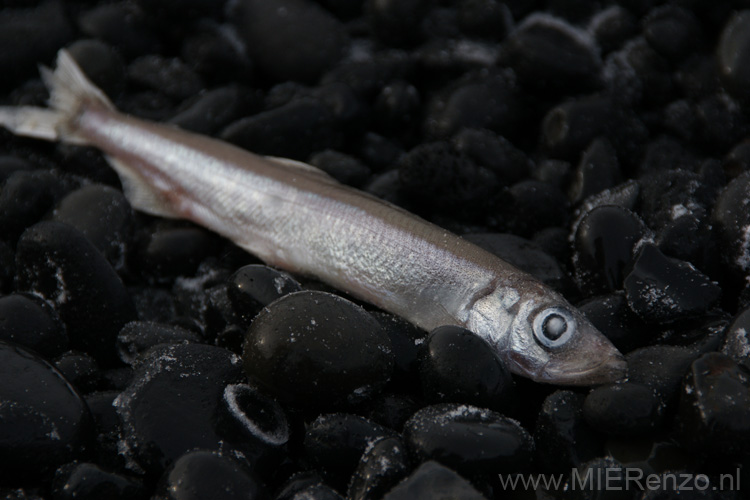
(484, 18)
(493, 151)
(451, 55)
(524, 254)
(137, 337)
(169, 76)
(550, 55)
(335, 442)
(604, 242)
(289, 39)
(7, 267)
(170, 251)
(457, 366)
(663, 290)
(172, 381)
(181, 9)
(468, 439)
(731, 219)
(45, 421)
(204, 299)
(612, 27)
(626, 410)
(553, 241)
(626, 195)
(207, 474)
(490, 101)
(598, 170)
(432, 481)
(368, 76)
(254, 286)
(33, 324)
(24, 48)
(732, 52)
(563, 438)
(306, 485)
(10, 164)
(534, 205)
(555, 172)
(107, 428)
(217, 108)
(397, 108)
(736, 339)
(342, 167)
(672, 31)
(392, 409)
(396, 22)
(714, 408)
(434, 175)
(637, 74)
(89, 481)
(612, 316)
(405, 341)
(735, 163)
(381, 467)
(317, 350)
(690, 238)
(381, 154)
(569, 127)
(57, 262)
(673, 193)
(600, 470)
(153, 304)
(101, 64)
(215, 54)
(81, 370)
(121, 24)
(661, 367)
(719, 121)
(104, 216)
(25, 197)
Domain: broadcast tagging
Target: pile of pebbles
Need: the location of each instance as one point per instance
(600, 146)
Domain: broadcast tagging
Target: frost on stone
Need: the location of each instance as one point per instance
(743, 257)
(737, 344)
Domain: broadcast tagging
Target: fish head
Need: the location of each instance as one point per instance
(541, 336)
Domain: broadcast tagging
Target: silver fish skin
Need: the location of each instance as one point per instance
(295, 217)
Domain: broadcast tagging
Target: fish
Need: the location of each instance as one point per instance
(296, 217)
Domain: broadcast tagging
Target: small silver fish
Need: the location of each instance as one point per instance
(294, 216)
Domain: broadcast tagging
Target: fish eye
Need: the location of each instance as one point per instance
(553, 326)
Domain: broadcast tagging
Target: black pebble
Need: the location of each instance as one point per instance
(405, 341)
(456, 366)
(570, 126)
(672, 31)
(254, 286)
(206, 474)
(121, 24)
(81, 370)
(32, 323)
(367, 77)
(59, 263)
(612, 27)
(171, 77)
(731, 216)
(534, 205)
(104, 216)
(431, 481)
(45, 421)
(307, 485)
(89, 481)
(214, 53)
(493, 151)
(397, 108)
(714, 409)
(167, 252)
(335, 442)
(660, 367)
(315, 349)
(663, 290)
(170, 382)
(468, 438)
(484, 18)
(342, 167)
(102, 65)
(137, 337)
(563, 438)
(396, 22)
(598, 170)
(733, 51)
(612, 316)
(604, 243)
(627, 409)
(736, 339)
(216, 109)
(7, 267)
(382, 465)
(289, 39)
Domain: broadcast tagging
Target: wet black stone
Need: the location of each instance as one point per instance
(720, 122)
(690, 238)
(598, 170)
(612, 316)
(317, 350)
(171, 77)
(216, 109)
(107, 428)
(731, 217)
(661, 367)
(137, 337)
(10, 164)
(45, 421)
(604, 243)
(24, 48)
(396, 22)
(680, 193)
(397, 108)
(379, 152)
(121, 24)
(484, 18)
(213, 52)
(180, 9)
(405, 341)
(104, 216)
(7, 267)
(81, 370)
(736, 340)
(432, 480)
(104, 67)
(291, 39)
(550, 55)
(342, 167)
(553, 241)
(570, 126)
(733, 51)
(672, 31)
(207, 474)
(167, 251)
(627, 409)
(382, 465)
(367, 77)
(737, 160)
(335, 442)
(59, 263)
(555, 172)
(25, 197)
(490, 101)
(89, 481)
(254, 286)
(542, 205)
(663, 290)
(563, 438)
(638, 74)
(599, 470)
(493, 151)
(391, 409)
(714, 408)
(468, 439)
(456, 366)
(33, 324)
(451, 55)
(170, 382)
(612, 26)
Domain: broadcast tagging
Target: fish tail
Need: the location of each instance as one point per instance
(70, 93)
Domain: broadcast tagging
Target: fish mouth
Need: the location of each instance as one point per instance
(612, 369)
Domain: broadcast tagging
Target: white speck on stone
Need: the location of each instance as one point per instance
(679, 210)
(743, 259)
(278, 284)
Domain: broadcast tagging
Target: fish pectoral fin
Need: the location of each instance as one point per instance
(299, 166)
(141, 195)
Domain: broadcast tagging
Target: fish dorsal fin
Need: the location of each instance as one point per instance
(300, 167)
(141, 195)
